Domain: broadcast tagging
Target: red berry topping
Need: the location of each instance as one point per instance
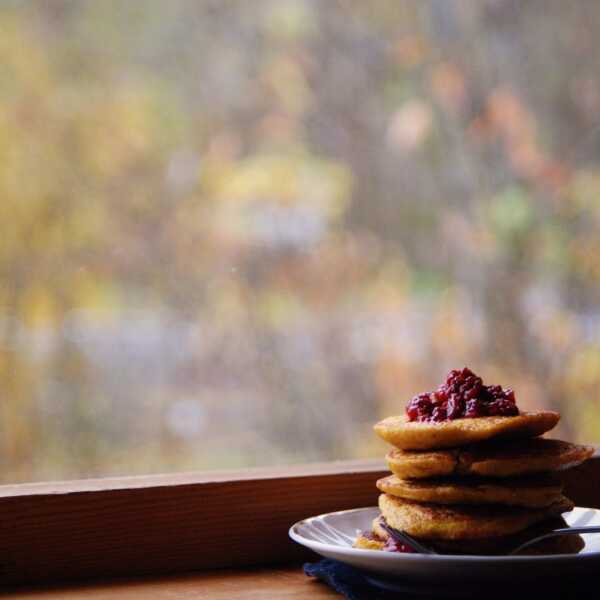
(463, 395)
(475, 408)
(439, 414)
(393, 545)
(420, 408)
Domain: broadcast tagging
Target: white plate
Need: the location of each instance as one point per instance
(332, 535)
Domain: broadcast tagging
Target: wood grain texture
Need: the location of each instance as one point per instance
(288, 583)
(175, 479)
(168, 524)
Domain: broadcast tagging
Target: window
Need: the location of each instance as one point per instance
(236, 234)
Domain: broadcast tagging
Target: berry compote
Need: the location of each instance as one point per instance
(393, 545)
(390, 545)
(463, 395)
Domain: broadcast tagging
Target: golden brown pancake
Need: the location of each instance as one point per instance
(371, 542)
(416, 435)
(463, 522)
(491, 459)
(377, 528)
(571, 544)
(534, 491)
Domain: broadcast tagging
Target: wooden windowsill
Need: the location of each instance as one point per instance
(192, 478)
(166, 524)
(285, 583)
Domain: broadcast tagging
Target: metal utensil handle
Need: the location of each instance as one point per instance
(556, 532)
(407, 539)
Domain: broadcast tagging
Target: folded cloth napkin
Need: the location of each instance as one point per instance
(356, 585)
(346, 580)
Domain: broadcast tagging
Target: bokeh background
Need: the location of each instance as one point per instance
(237, 233)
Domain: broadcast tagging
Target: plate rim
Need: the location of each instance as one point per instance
(415, 556)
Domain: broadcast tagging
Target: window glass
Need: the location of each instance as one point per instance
(238, 233)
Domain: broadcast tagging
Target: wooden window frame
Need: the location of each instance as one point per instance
(163, 524)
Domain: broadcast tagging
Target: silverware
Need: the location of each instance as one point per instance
(403, 537)
(555, 532)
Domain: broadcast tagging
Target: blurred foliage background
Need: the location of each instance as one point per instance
(238, 233)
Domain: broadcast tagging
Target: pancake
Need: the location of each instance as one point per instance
(570, 544)
(534, 491)
(463, 522)
(416, 435)
(377, 528)
(490, 459)
(366, 540)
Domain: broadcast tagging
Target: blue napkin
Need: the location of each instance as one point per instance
(356, 585)
(346, 580)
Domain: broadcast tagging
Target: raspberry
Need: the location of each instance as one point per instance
(392, 545)
(439, 414)
(475, 408)
(441, 395)
(462, 395)
(456, 407)
(419, 406)
(502, 408)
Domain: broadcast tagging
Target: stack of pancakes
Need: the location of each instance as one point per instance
(473, 485)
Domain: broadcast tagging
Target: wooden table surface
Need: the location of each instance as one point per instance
(252, 584)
